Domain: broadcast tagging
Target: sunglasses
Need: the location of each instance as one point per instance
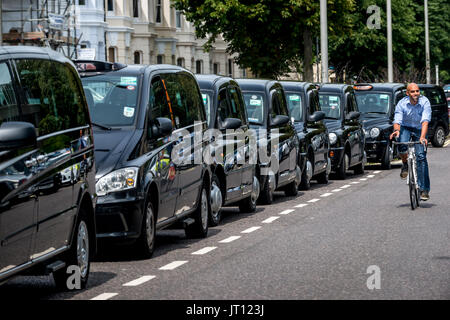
(412, 91)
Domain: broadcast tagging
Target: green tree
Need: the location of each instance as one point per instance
(269, 36)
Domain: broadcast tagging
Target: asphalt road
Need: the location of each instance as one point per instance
(323, 244)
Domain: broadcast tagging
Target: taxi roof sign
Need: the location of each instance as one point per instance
(362, 87)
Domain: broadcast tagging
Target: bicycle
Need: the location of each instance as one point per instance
(411, 179)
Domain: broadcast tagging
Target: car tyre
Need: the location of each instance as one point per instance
(438, 137)
(266, 195)
(77, 255)
(306, 176)
(386, 161)
(249, 204)
(146, 241)
(199, 229)
(343, 167)
(216, 195)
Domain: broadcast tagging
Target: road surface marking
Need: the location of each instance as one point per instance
(287, 211)
(314, 200)
(105, 296)
(346, 186)
(139, 281)
(376, 171)
(229, 239)
(173, 265)
(336, 190)
(249, 230)
(326, 194)
(270, 220)
(354, 182)
(301, 205)
(363, 179)
(204, 250)
(371, 176)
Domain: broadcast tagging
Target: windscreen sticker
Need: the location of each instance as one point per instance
(384, 96)
(128, 112)
(294, 98)
(255, 102)
(334, 99)
(205, 98)
(131, 87)
(125, 81)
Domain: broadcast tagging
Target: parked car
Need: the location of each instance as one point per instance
(303, 103)
(376, 103)
(234, 178)
(268, 113)
(346, 132)
(438, 127)
(47, 225)
(148, 174)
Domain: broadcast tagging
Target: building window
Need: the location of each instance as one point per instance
(158, 11)
(110, 5)
(230, 67)
(178, 19)
(112, 54)
(244, 73)
(160, 59)
(81, 2)
(216, 68)
(136, 8)
(137, 57)
(198, 66)
(180, 62)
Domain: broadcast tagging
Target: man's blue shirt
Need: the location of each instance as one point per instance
(409, 115)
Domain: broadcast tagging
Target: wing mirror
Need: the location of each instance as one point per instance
(161, 127)
(17, 134)
(316, 116)
(352, 116)
(231, 123)
(279, 120)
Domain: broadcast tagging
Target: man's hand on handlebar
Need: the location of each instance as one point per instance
(394, 134)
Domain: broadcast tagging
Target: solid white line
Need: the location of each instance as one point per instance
(363, 179)
(314, 200)
(250, 229)
(270, 220)
(287, 211)
(301, 205)
(105, 296)
(336, 190)
(229, 239)
(346, 186)
(139, 281)
(326, 194)
(173, 265)
(204, 250)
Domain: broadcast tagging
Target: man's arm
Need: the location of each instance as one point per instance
(426, 118)
(398, 117)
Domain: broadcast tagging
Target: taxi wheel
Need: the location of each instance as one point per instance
(199, 229)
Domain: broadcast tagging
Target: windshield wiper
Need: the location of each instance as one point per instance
(101, 126)
(377, 112)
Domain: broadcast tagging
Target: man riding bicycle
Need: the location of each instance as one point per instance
(412, 115)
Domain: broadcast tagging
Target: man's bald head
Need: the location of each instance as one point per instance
(412, 90)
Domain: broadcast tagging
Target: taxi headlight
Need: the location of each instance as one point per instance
(374, 132)
(333, 138)
(118, 180)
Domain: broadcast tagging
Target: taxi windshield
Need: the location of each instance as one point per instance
(254, 102)
(112, 99)
(373, 102)
(331, 105)
(294, 102)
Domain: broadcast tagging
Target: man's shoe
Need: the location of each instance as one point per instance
(404, 172)
(424, 196)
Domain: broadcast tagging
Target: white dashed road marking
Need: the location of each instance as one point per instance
(301, 205)
(314, 200)
(354, 182)
(173, 265)
(336, 190)
(326, 194)
(105, 296)
(371, 176)
(376, 171)
(204, 250)
(249, 230)
(287, 211)
(363, 179)
(139, 281)
(229, 239)
(346, 186)
(270, 220)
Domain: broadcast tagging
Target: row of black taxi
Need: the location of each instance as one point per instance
(132, 149)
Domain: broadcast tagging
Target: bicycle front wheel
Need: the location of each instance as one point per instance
(413, 194)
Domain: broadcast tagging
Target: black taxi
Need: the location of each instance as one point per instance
(345, 130)
(303, 103)
(233, 180)
(148, 121)
(376, 103)
(278, 166)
